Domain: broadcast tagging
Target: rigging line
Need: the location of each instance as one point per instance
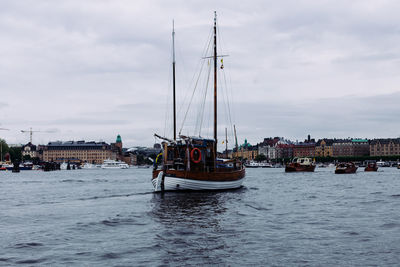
(195, 87)
(227, 98)
(204, 50)
(191, 99)
(205, 97)
(227, 73)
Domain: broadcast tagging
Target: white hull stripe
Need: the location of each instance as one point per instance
(174, 184)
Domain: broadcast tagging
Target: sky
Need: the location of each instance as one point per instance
(89, 70)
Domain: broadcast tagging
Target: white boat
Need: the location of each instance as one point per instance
(253, 164)
(88, 166)
(114, 164)
(382, 164)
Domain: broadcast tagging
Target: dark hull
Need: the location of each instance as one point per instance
(299, 168)
(25, 168)
(371, 169)
(346, 170)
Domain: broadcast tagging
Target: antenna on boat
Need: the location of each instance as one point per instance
(173, 76)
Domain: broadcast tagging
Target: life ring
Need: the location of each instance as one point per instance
(193, 156)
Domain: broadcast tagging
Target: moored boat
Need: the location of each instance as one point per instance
(114, 164)
(348, 167)
(190, 162)
(253, 164)
(371, 167)
(300, 165)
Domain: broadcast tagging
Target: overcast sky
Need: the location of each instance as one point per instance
(93, 69)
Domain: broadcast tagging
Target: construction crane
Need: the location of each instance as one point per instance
(30, 131)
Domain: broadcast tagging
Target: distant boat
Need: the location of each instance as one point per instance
(382, 164)
(253, 164)
(22, 166)
(300, 165)
(348, 167)
(88, 165)
(371, 167)
(114, 164)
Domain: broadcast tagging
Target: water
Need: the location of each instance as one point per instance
(112, 218)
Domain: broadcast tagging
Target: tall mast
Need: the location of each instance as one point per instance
(215, 81)
(173, 76)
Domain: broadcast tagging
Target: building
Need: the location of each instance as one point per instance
(268, 147)
(323, 148)
(246, 151)
(350, 148)
(304, 149)
(284, 150)
(29, 150)
(385, 147)
(77, 151)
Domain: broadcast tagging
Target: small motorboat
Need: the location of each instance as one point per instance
(371, 167)
(300, 165)
(348, 167)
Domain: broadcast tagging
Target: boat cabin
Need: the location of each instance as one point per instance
(194, 154)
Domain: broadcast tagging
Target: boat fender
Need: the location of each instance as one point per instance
(195, 155)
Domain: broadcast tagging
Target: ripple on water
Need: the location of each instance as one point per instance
(390, 225)
(28, 245)
(30, 261)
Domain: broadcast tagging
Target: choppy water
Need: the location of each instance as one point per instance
(112, 218)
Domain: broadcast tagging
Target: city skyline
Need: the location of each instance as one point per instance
(90, 71)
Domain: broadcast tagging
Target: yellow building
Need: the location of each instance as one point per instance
(246, 151)
(79, 151)
(323, 148)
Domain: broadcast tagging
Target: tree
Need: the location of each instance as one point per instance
(15, 154)
(260, 157)
(27, 158)
(3, 148)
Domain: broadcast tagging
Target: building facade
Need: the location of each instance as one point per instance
(304, 150)
(77, 151)
(385, 147)
(350, 148)
(323, 148)
(29, 150)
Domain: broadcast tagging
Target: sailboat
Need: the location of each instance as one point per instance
(191, 163)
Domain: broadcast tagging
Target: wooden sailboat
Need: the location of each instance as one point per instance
(191, 163)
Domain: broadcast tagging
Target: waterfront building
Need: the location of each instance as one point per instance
(77, 152)
(350, 147)
(29, 150)
(246, 151)
(385, 147)
(268, 147)
(304, 149)
(323, 148)
(284, 150)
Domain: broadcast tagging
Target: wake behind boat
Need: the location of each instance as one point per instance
(190, 162)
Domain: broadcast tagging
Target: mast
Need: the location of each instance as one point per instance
(236, 143)
(173, 76)
(215, 82)
(226, 142)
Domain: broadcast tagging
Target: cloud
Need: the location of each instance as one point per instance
(93, 69)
